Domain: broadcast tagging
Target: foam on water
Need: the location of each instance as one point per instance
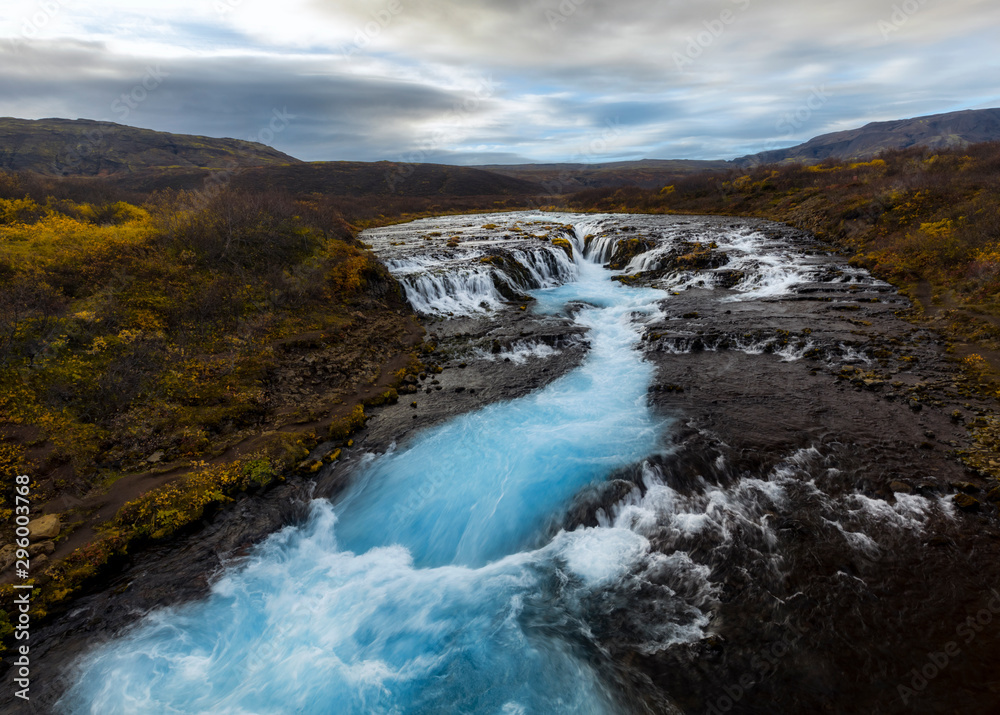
(421, 589)
(435, 584)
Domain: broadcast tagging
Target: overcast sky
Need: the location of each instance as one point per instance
(499, 81)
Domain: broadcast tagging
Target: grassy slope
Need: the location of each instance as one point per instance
(157, 359)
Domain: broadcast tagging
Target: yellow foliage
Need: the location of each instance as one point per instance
(873, 164)
(345, 426)
(937, 229)
(976, 363)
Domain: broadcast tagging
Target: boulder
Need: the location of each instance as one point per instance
(42, 547)
(7, 557)
(44, 528)
(966, 503)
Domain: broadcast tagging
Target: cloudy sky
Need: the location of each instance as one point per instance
(499, 81)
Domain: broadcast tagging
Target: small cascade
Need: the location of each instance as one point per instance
(479, 269)
(461, 292)
(586, 547)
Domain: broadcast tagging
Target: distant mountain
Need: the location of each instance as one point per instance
(384, 178)
(567, 178)
(83, 147)
(955, 129)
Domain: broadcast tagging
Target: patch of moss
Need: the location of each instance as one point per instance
(344, 427)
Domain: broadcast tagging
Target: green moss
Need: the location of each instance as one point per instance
(346, 426)
(565, 245)
(389, 397)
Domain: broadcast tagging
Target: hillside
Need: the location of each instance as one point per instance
(566, 178)
(83, 147)
(383, 178)
(160, 359)
(936, 131)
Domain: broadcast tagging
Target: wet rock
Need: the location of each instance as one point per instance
(966, 487)
(966, 503)
(43, 547)
(310, 466)
(7, 557)
(898, 487)
(994, 494)
(46, 527)
(940, 541)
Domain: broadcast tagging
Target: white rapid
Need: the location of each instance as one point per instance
(437, 581)
(428, 587)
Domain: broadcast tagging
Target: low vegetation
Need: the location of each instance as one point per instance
(201, 336)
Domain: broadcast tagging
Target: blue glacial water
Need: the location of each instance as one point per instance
(428, 586)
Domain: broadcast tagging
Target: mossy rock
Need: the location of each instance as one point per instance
(346, 426)
(627, 249)
(728, 279)
(565, 245)
(966, 502)
(389, 397)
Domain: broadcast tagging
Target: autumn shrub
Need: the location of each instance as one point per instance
(246, 232)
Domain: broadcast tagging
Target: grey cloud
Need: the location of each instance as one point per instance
(336, 116)
(559, 81)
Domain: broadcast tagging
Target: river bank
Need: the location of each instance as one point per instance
(803, 497)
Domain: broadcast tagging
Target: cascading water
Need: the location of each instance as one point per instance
(422, 588)
(576, 550)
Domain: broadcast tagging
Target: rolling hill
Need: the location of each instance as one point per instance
(384, 178)
(83, 147)
(937, 131)
(568, 178)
